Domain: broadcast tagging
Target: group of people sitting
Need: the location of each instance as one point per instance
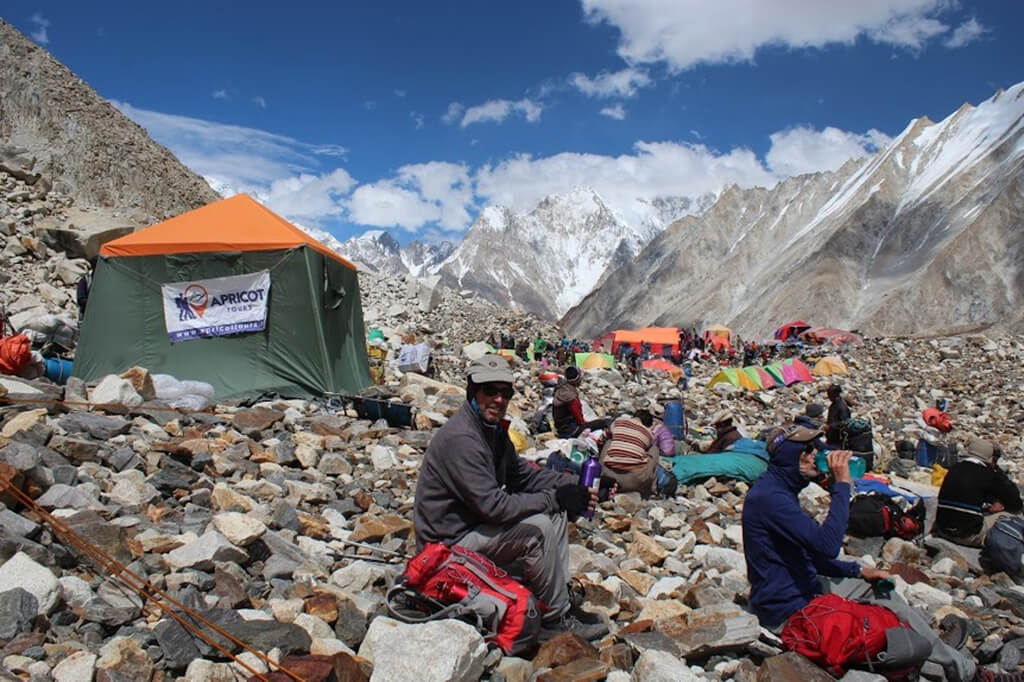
(475, 491)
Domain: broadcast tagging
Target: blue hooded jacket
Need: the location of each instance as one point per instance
(784, 548)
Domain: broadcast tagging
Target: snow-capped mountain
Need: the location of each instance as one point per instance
(544, 261)
(422, 258)
(378, 251)
(925, 236)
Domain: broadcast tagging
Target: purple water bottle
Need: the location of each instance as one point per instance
(590, 478)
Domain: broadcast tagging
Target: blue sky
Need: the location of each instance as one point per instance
(413, 115)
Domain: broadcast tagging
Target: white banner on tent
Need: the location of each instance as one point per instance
(216, 307)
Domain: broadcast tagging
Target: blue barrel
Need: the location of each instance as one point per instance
(926, 453)
(675, 419)
(58, 370)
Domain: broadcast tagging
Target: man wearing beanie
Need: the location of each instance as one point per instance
(567, 410)
(974, 495)
(790, 557)
(475, 491)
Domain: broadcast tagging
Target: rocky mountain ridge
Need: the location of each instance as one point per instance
(921, 238)
(59, 129)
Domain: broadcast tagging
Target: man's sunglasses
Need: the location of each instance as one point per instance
(491, 390)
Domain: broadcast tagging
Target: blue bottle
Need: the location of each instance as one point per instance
(590, 478)
(858, 467)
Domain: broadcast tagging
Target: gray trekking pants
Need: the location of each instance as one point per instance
(541, 543)
(958, 667)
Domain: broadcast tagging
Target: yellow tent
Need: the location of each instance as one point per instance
(734, 377)
(828, 366)
(718, 331)
(595, 361)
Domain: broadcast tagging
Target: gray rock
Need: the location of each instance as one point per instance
(62, 496)
(18, 608)
(16, 524)
(78, 667)
(97, 426)
(436, 651)
(177, 643)
(20, 571)
(201, 554)
(122, 659)
(661, 666)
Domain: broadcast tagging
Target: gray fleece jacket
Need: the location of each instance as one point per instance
(471, 475)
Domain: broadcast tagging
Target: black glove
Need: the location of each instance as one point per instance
(572, 498)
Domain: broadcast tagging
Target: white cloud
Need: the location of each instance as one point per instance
(966, 33)
(622, 83)
(417, 118)
(497, 110)
(805, 150)
(453, 113)
(438, 192)
(912, 32)
(683, 33)
(308, 196)
(220, 94)
(386, 204)
(42, 24)
(616, 112)
(399, 93)
(285, 172)
(260, 101)
(369, 105)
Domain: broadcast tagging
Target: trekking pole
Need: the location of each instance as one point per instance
(372, 548)
(362, 557)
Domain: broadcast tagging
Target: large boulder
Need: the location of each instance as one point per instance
(437, 651)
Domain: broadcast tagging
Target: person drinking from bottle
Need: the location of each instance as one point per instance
(792, 560)
(475, 491)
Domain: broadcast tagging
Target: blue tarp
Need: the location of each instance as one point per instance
(870, 485)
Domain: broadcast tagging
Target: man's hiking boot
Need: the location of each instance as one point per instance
(570, 623)
(953, 631)
(577, 593)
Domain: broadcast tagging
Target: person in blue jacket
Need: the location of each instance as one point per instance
(790, 557)
(785, 549)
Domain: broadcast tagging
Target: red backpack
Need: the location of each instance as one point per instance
(454, 582)
(937, 419)
(838, 633)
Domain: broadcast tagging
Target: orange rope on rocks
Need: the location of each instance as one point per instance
(144, 588)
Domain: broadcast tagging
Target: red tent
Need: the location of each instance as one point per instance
(791, 330)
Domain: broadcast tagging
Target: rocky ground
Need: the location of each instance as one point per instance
(247, 513)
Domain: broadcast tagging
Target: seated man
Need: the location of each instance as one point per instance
(631, 458)
(475, 491)
(787, 552)
(567, 410)
(726, 433)
(811, 417)
(974, 495)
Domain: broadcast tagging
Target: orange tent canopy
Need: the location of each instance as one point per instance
(666, 336)
(628, 336)
(236, 224)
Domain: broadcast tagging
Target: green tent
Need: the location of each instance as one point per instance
(309, 342)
